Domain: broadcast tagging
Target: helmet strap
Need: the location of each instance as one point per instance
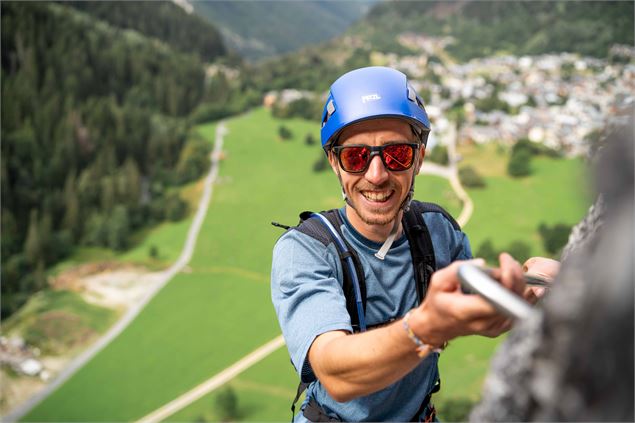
(344, 196)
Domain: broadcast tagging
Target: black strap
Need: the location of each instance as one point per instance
(421, 248)
(301, 388)
(314, 413)
(316, 230)
(347, 284)
(426, 401)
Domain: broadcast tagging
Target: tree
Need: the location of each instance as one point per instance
(284, 133)
(470, 177)
(321, 164)
(118, 228)
(95, 230)
(33, 243)
(131, 178)
(71, 206)
(486, 251)
(194, 160)
(309, 139)
(108, 193)
(10, 235)
(520, 250)
(175, 207)
(227, 404)
(438, 154)
(519, 164)
(554, 237)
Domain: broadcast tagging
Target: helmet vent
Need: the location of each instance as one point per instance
(330, 109)
(412, 96)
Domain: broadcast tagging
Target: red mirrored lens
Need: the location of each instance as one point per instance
(354, 159)
(398, 156)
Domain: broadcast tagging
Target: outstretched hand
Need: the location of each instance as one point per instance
(447, 312)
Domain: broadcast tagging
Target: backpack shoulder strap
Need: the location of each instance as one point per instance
(421, 247)
(424, 207)
(315, 229)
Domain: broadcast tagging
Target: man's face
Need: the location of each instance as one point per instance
(377, 193)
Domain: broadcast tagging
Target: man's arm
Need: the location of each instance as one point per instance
(350, 366)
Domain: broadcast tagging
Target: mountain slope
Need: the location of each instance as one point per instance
(94, 136)
(482, 28)
(162, 20)
(477, 28)
(259, 29)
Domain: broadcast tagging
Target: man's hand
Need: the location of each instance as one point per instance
(544, 268)
(447, 312)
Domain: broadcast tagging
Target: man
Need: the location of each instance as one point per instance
(374, 132)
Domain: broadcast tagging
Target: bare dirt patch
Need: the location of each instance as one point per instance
(107, 284)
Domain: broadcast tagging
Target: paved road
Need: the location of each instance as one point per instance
(132, 312)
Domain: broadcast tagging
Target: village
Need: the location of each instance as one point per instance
(560, 100)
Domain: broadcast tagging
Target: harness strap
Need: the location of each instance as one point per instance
(421, 248)
(431, 414)
(314, 413)
(348, 287)
(301, 388)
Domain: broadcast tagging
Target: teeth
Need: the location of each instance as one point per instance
(376, 196)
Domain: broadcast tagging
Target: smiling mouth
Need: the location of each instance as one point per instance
(377, 196)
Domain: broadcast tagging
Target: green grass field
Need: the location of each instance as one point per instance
(206, 319)
(511, 209)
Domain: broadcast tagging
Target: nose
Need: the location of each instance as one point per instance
(376, 173)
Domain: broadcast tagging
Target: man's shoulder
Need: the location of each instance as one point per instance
(299, 243)
(434, 212)
(311, 228)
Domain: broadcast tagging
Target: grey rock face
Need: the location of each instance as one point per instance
(574, 360)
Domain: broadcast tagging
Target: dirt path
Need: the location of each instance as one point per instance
(213, 382)
(451, 173)
(159, 280)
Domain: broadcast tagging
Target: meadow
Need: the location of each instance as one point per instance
(220, 310)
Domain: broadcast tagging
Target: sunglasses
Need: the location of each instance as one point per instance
(356, 158)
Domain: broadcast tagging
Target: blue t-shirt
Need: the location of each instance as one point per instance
(306, 290)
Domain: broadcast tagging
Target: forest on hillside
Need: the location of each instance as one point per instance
(95, 129)
(477, 28)
(483, 28)
(160, 20)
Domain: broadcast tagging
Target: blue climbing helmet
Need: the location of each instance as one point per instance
(371, 93)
